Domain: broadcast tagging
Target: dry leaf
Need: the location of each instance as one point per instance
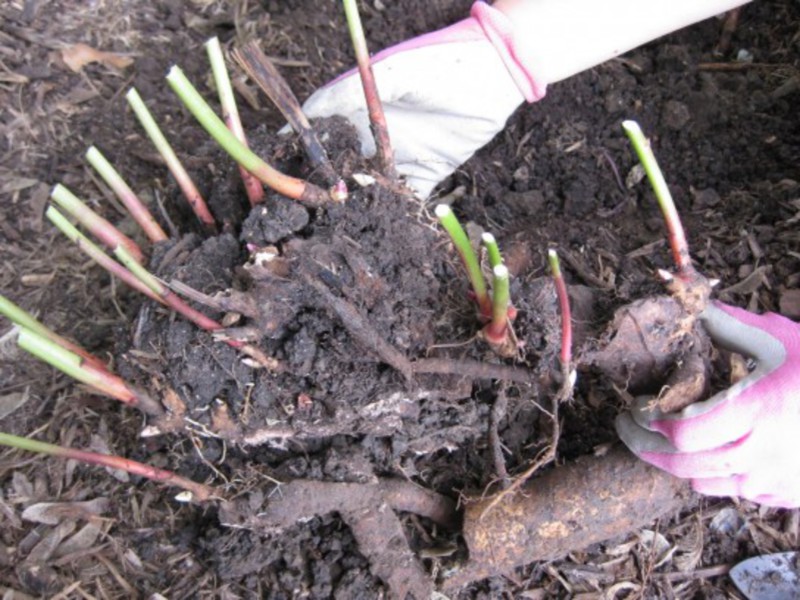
(657, 546)
(80, 542)
(42, 551)
(690, 549)
(8, 515)
(78, 56)
(14, 183)
(11, 402)
(23, 488)
(52, 513)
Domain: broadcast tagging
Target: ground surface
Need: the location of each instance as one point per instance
(727, 135)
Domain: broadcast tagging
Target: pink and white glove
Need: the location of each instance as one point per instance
(445, 94)
(448, 93)
(742, 441)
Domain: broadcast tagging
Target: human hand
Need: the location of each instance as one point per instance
(445, 94)
(743, 440)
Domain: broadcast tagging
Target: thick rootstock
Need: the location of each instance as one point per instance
(571, 507)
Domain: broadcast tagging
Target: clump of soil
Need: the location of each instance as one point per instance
(358, 304)
(364, 309)
(364, 314)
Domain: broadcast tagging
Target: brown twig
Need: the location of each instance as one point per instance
(583, 272)
(232, 301)
(735, 66)
(695, 574)
(473, 369)
(729, 26)
(263, 71)
(495, 443)
(359, 328)
(546, 456)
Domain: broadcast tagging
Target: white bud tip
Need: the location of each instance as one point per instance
(665, 275)
(500, 271)
(184, 497)
(714, 282)
(632, 126)
(487, 238)
(442, 211)
(552, 253)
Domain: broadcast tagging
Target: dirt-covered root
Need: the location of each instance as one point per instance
(655, 346)
(691, 288)
(368, 509)
(591, 500)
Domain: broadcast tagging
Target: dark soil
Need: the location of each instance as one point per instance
(380, 375)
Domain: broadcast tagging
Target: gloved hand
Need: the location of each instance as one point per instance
(448, 93)
(445, 94)
(742, 441)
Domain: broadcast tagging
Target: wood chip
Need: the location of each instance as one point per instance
(37, 279)
(78, 56)
(790, 303)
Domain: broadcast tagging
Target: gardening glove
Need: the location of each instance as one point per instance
(742, 441)
(447, 93)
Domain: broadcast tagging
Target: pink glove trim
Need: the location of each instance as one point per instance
(499, 30)
(486, 23)
(466, 30)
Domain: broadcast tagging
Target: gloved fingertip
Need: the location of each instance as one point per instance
(627, 430)
(716, 486)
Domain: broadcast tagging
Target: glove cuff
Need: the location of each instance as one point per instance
(500, 32)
